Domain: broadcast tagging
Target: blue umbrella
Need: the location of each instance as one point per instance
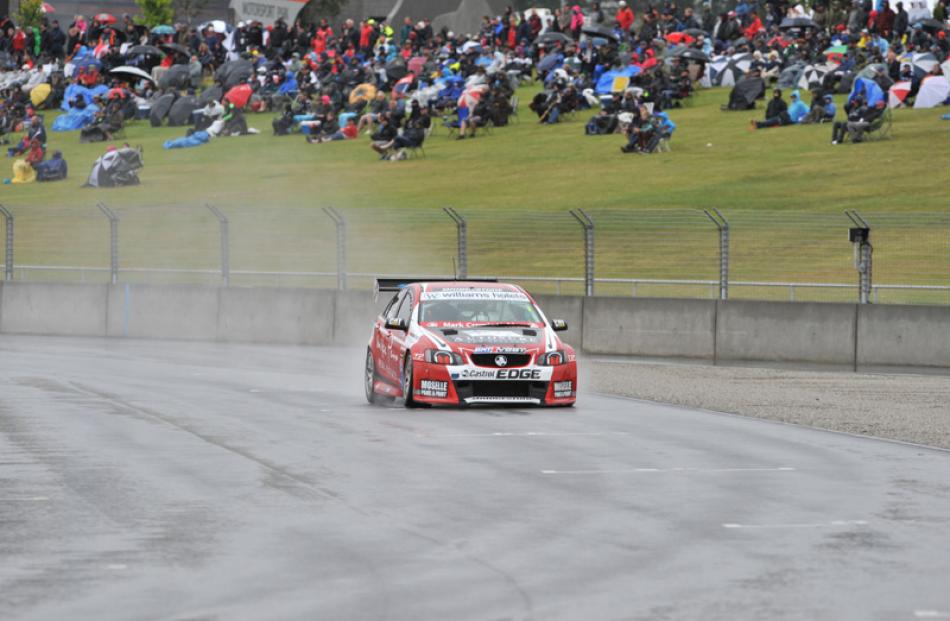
(869, 88)
(549, 62)
(88, 61)
(606, 82)
(163, 30)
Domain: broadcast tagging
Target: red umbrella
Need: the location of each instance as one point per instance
(239, 95)
(48, 8)
(105, 18)
(680, 38)
(897, 94)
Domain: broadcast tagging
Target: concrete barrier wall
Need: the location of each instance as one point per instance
(45, 308)
(291, 316)
(649, 327)
(706, 329)
(786, 332)
(904, 335)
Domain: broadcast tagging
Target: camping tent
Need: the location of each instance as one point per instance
(116, 167)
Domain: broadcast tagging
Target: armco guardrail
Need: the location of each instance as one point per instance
(842, 334)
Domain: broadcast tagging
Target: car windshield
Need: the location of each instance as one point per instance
(479, 306)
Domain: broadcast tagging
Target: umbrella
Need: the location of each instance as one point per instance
(232, 73)
(176, 48)
(791, 76)
(46, 7)
(897, 94)
(133, 73)
(946, 69)
(930, 25)
(87, 62)
(417, 64)
(145, 50)
(471, 46)
(548, 62)
(796, 22)
(679, 38)
(814, 75)
(39, 93)
(690, 53)
(362, 93)
(212, 93)
(396, 70)
(105, 18)
(601, 31)
(160, 108)
(733, 70)
(873, 70)
(921, 63)
(177, 76)
(599, 42)
(934, 91)
(836, 52)
(402, 86)
(163, 30)
(217, 26)
(695, 32)
(553, 38)
(180, 112)
(239, 95)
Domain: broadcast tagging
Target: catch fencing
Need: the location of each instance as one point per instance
(698, 253)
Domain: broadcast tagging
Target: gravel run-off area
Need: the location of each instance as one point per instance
(906, 407)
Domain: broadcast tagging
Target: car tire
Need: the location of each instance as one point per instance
(407, 383)
(369, 377)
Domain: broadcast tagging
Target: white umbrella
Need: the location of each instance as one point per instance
(216, 25)
(934, 90)
(127, 70)
(813, 75)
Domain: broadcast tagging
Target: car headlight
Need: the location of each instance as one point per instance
(552, 359)
(441, 356)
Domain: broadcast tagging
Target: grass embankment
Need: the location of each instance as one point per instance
(783, 190)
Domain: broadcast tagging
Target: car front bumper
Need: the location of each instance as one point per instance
(468, 385)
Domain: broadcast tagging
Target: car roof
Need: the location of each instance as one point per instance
(466, 284)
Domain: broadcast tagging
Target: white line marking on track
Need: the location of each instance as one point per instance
(931, 614)
(699, 470)
(832, 524)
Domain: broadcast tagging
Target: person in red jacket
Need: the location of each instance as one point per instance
(755, 26)
(625, 16)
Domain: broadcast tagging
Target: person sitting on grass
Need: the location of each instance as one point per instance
(348, 132)
(24, 169)
(823, 110)
(642, 134)
(798, 110)
(776, 114)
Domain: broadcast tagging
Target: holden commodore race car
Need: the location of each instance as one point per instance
(453, 342)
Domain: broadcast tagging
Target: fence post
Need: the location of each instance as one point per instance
(588, 225)
(113, 241)
(723, 225)
(225, 245)
(462, 227)
(340, 222)
(860, 236)
(8, 244)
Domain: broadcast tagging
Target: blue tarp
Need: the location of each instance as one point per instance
(606, 81)
(75, 90)
(869, 88)
(75, 119)
(195, 140)
(289, 85)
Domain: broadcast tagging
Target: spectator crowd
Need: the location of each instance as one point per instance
(396, 83)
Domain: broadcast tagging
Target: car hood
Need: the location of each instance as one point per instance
(520, 337)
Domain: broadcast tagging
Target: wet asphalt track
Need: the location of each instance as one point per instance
(176, 481)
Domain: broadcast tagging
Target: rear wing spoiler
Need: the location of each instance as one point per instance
(398, 284)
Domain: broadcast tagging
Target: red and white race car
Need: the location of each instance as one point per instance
(465, 343)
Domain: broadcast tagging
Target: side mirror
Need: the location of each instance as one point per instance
(558, 325)
(397, 324)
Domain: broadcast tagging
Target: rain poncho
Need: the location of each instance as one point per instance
(798, 109)
(77, 118)
(196, 139)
